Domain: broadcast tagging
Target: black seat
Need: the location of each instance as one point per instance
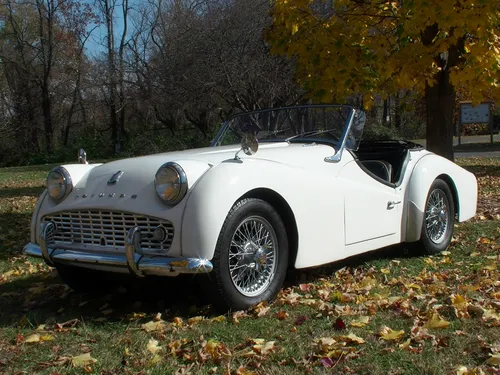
(379, 168)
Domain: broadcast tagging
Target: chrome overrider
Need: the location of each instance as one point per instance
(137, 263)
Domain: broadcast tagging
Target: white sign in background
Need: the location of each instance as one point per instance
(474, 115)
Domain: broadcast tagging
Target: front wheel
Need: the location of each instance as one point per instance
(439, 215)
(251, 256)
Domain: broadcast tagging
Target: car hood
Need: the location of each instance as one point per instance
(144, 167)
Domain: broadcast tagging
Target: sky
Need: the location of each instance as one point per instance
(96, 44)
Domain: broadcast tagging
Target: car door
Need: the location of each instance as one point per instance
(372, 210)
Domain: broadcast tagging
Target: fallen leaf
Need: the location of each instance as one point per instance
(153, 346)
(491, 314)
(327, 362)
(389, 334)
(32, 338)
(82, 360)
(157, 317)
(218, 319)
(261, 309)
(194, 320)
(156, 359)
(494, 360)
(300, 320)
(282, 315)
(154, 326)
(237, 315)
(136, 316)
(339, 324)
(405, 344)
(351, 337)
(436, 322)
(305, 287)
(177, 321)
(264, 348)
(242, 371)
(361, 321)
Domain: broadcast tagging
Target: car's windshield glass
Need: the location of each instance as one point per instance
(327, 122)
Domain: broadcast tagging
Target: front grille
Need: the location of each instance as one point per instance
(106, 230)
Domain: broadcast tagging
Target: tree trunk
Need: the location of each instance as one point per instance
(440, 104)
(397, 111)
(47, 118)
(385, 112)
(108, 13)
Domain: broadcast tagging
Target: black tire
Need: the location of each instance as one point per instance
(434, 238)
(83, 280)
(254, 255)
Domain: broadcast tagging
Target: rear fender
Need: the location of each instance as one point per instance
(462, 183)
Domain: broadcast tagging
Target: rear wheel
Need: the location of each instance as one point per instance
(251, 256)
(439, 215)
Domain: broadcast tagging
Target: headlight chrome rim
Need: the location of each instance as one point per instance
(68, 184)
(183, 183)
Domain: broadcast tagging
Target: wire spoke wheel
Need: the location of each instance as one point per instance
(253, 256)
(437, 216)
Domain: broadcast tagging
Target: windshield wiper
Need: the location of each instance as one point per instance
(305, 134)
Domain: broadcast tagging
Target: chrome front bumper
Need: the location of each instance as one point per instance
(133, 262)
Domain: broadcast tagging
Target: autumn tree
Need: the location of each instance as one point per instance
(344, 47)
(41, 57)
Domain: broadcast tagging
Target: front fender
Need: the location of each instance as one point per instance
(428, 168)
(319, 221)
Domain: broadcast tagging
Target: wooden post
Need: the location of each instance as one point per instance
(491, 125)
(460, 124)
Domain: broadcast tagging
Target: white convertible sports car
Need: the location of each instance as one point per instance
(301, 190)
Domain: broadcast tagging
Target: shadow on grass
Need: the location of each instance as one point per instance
(15, 230)
(477, 147)
(33, 191)
(492, 170)
(44, 298)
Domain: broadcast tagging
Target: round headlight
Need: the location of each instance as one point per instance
(171, 183)
(59, 184)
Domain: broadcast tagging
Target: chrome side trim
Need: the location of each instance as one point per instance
(158, 266)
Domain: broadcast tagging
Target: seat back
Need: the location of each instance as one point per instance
(379, 168)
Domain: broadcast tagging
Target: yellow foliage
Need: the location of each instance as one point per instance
(346, 46)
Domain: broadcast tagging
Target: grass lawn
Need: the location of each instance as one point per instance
(388, 312)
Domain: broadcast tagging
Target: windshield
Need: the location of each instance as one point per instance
(312, 122)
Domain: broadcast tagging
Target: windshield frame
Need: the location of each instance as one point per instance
(341, 144)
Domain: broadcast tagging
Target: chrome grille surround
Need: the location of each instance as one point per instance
(103, 230)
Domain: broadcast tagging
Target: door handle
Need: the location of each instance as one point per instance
(391, 204)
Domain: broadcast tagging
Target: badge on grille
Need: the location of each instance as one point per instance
(115, 178)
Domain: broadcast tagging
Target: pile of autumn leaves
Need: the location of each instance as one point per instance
(352, 299)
